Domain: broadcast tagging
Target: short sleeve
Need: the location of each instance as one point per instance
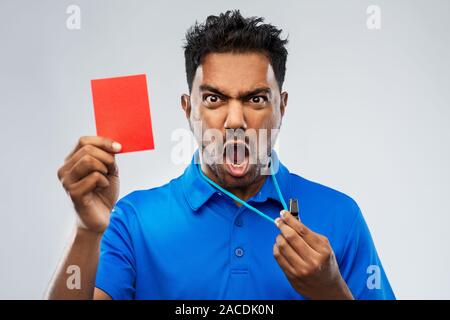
(116, 268)
(361, 267)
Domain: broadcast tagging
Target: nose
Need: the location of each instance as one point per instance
(235, 117)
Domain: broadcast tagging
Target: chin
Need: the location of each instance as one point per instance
(236, 181)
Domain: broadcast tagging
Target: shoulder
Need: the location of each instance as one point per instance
(156, 197)
(323, 202)
(318, 191)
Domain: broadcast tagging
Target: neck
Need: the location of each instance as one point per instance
(245, 192)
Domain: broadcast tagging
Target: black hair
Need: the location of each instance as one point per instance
(231, 32)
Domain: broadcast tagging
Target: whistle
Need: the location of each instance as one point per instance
(293, 207)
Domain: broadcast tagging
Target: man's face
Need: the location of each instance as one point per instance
(237, 95)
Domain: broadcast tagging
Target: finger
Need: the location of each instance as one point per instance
(311, 238)
(289, 252)
(87, 185)
(97, 141)
(301, 247)
(86, 165)
(284, 264)
(106, 158)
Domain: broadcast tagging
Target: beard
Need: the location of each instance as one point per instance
(237, 160)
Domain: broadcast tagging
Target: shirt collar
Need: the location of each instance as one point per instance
(198, 191)
(268, 190)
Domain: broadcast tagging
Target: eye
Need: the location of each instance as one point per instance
(212, 98)
(258, 99)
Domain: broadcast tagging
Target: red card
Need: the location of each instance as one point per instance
(122, 111)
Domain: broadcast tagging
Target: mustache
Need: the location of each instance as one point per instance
(251, 140)
(232, 144)
(235, 151)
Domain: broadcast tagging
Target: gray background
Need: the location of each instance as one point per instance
(368, 114)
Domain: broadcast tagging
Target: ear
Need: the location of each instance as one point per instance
(283, 102)
(186, 105)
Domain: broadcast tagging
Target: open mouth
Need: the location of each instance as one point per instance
(236, 158)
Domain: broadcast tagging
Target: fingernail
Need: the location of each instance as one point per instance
(283, 214)
(277, 222)
(116, 146)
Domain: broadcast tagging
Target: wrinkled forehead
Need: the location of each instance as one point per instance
(233, 73)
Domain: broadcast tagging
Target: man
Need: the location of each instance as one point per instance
(189, 240)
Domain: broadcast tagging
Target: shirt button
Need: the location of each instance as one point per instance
(238, 222)
(239, 252)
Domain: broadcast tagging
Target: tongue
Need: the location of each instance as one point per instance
(238, 170)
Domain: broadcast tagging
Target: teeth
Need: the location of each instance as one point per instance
(235, 153)
(238, 165)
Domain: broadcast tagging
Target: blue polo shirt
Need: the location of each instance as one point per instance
(186, 240)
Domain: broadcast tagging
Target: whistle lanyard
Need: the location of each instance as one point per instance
(232, 196)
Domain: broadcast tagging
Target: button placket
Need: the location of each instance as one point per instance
(239, 252)
(238, 243)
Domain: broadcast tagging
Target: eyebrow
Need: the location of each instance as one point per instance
(243, 95)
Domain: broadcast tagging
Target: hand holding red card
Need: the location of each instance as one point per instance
(122, 111)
